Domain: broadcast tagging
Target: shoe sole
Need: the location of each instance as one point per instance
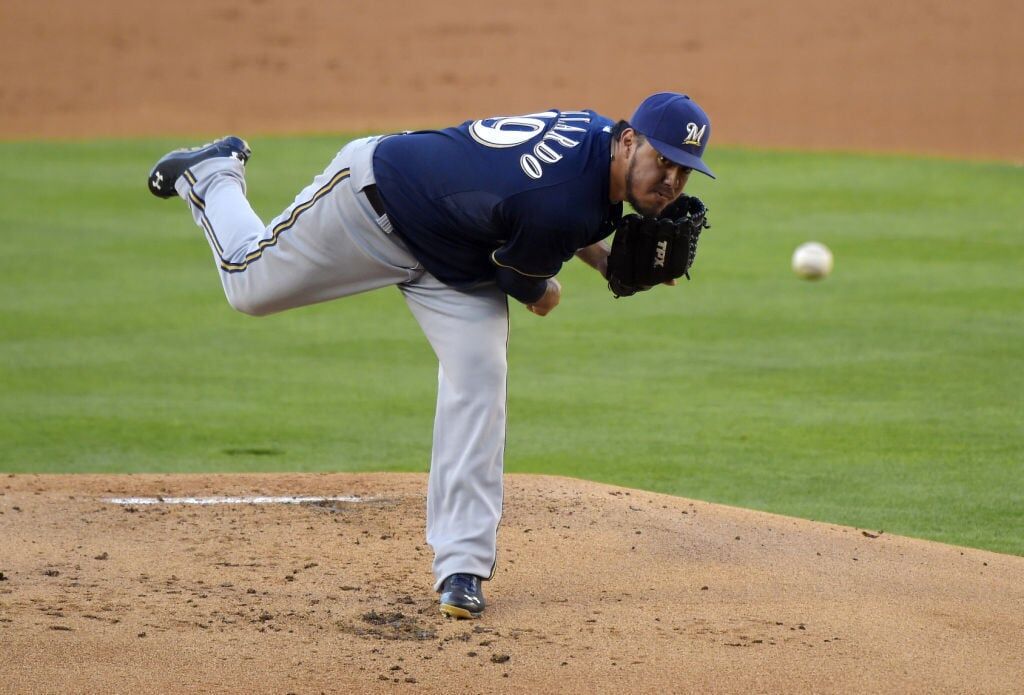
(456, 612)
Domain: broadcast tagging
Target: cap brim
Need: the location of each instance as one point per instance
(680, 157)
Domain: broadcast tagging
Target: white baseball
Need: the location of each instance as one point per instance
(812, 260)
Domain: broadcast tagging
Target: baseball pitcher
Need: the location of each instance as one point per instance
(459, 220)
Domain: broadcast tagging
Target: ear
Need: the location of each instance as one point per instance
(627, 142)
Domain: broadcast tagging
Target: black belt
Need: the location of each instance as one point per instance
(375, 200)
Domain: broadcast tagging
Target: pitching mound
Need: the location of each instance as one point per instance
(598, 589)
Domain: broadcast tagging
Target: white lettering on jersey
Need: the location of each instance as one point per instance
(545, 153)
(530, 166)
(560, 139)
(512, 131)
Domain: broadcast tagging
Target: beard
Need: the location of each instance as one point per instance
(646, 210)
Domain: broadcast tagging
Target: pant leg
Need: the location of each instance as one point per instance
(469, 334)
(327, 244)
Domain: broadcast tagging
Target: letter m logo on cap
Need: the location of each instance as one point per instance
(694, 135)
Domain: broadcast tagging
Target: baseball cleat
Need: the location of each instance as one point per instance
(462, 597)
(173, 164)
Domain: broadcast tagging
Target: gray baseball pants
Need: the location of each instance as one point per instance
(330, 243)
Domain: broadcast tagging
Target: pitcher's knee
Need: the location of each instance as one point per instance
(247, 301)
(480, 366)
(493, 367)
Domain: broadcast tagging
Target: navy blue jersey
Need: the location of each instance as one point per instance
(514, 196)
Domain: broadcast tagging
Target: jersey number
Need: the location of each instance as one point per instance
(510, 131)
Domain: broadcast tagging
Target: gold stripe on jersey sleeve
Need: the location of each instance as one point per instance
(496, 262)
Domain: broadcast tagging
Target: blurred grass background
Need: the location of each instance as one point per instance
(889, 396)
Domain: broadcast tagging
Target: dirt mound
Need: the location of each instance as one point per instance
(928, 76)
(599, 589)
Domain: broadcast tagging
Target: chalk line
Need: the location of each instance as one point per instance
(289, 499)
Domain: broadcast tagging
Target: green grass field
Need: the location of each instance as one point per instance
(889, 396)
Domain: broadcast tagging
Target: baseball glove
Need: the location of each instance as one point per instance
(648, 251)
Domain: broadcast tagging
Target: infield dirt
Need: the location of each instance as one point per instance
(599, 589)
(931, 76)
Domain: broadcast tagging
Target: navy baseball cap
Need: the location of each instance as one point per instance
(676, 127)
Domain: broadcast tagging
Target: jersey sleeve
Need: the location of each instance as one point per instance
(526, 289)
(541, 235)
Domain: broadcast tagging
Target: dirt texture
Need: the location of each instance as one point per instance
(930, 76)
(599, 589)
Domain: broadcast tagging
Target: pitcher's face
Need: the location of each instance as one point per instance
(652, 181)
